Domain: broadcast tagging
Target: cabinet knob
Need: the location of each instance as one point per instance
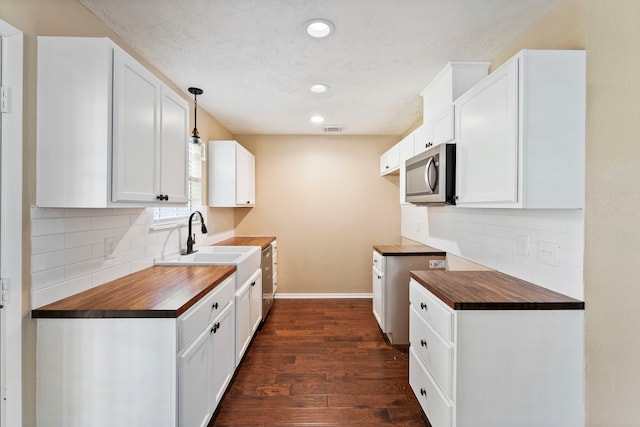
(423, 343)
(423, 306)
(214, 306)
(215, 328)
(253, 283)
(162, 197)
(248, 202)
(423, 392)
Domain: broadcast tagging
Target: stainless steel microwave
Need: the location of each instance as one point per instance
(431, 176)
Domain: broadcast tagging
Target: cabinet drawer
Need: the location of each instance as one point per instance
(434, 404)
(432, 310)
(204, 311)
(434, 352)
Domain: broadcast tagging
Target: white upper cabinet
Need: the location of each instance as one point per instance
(109, 133)
(438, 117)
(174, 157)
(231, 175)
(390, 160)
(520, 134)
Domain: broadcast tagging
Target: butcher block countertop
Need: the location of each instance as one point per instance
(158, 291)
(262, 241)
(399, 250)
(491, 290)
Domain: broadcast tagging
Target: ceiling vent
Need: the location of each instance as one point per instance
(333, 128)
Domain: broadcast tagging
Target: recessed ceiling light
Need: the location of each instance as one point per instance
(319, 88)
(317, 119)
(319, 28)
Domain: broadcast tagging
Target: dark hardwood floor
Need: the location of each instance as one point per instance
(321, 363)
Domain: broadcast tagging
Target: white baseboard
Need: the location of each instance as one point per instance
(279, 295)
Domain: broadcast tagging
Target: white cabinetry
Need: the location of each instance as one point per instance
(390, 160)
(109, 133)
(206, 367)
(231, 175)
(248, 299)
(438, 114)
(520, 134)
(498, 368)
(274, 260)
(104, 372)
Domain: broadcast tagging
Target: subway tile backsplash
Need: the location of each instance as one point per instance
(68, 248)
(491, 237)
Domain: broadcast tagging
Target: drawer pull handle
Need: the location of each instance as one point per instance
(423, 392)
(379, 277)
(423, 343)
(215, 328)
(423, 306)
(214, 306)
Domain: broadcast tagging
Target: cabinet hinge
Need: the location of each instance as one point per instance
(4, 287)
(4, 99)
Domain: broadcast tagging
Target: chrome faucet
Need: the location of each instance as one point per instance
(192, 236)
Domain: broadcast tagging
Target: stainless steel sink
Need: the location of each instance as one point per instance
(245, 258)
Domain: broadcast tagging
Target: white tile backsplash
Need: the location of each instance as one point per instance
(68, 249)
(489, 237)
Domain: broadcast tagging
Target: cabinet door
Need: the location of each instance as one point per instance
(487, 139)
(136, 115)
(174, 147)
(245, 176)
(256, 304)
(378, 304)
(194, 375)
(222, 363)
(443, 129)
(243, 326)
(422, 138)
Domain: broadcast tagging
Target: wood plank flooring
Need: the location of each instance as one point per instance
(321, 363)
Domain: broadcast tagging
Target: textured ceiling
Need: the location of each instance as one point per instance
(256, 64)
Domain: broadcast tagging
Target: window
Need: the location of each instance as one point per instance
(178, 214)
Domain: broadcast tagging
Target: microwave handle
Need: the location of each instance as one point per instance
(427, 180)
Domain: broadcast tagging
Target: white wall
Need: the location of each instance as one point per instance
(490, 237)
(68, 249)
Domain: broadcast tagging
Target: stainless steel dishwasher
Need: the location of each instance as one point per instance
(267, 281)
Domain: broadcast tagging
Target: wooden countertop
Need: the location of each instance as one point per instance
(262, 241)
(491, 290)
(158, 291)
(406, 250)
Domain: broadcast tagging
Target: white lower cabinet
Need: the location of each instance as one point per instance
(495, 368)
(205, 369)
(248, 300)
(144, 372)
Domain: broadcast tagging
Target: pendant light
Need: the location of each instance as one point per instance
(195, 137)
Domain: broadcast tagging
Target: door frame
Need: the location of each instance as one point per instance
(12, 229)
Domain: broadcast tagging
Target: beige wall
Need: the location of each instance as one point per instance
(323, 197)
(612, 280)
(67, 18)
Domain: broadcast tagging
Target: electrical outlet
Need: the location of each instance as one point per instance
(548, 253)
(109, 247)
(437, 263)
(523, 245)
